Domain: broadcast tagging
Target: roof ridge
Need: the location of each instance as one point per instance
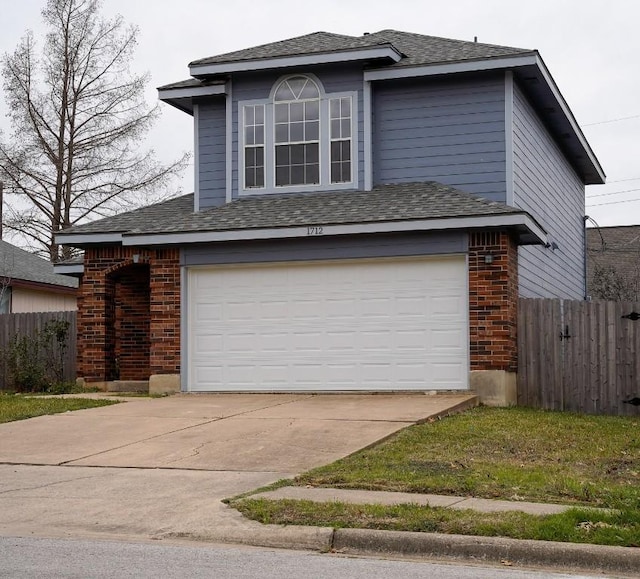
(448, 40)
(274, 43)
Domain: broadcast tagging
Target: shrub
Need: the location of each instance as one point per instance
(35, 363)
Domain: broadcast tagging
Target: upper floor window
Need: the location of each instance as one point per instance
(300, 139)
(297, 132)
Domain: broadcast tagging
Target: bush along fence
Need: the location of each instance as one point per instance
(580, 356)
(37, 351)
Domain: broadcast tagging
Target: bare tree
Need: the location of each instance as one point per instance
(609, 284)
(78, 116)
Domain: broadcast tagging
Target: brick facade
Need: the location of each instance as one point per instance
(493, 301)
(129, 314)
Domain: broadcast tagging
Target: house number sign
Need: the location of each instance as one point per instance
(314, 230)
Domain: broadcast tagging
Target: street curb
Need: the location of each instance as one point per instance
(371, 542)
(295, 537)
(488, 549)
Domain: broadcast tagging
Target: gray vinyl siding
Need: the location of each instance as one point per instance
(211, 131)
(257, 86)
(449, 131)
(548, 187)
(323, 248)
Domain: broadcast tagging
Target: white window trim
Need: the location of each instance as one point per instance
(324, 152)
(242, 151)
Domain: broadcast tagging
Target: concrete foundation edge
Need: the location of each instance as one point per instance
(490, 549)
(494, 387)
(164, 383)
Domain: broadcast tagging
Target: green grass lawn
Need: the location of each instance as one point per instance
(510, 454)
(17, 407)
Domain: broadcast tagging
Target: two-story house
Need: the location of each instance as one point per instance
(366, 212)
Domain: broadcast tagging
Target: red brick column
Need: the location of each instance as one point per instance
(493, 301)
(165, 312)
(96, 354)
(113, 282)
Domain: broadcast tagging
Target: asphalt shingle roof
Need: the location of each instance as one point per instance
(418, 49)
(399, 202)
(17, 264)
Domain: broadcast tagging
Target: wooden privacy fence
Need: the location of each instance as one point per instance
(579, 356)
(30, 325)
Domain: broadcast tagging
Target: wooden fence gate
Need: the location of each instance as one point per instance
(579, 356)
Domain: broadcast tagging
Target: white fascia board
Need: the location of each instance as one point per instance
(301, 60)
(566, 111)
(68, 269)
(84, 238)
(505, 220)
(192, 91)
(450, 68)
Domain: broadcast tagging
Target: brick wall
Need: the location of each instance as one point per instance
(131, 327)
(493, 301)
(165, 312)
(127, 313)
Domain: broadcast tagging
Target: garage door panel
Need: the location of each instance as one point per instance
(446, 340)
(358, 325)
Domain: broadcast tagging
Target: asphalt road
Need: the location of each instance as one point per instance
(22, 558)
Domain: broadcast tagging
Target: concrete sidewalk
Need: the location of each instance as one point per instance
(363, 497)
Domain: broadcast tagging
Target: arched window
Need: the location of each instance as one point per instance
(297, 132)
(300, 139)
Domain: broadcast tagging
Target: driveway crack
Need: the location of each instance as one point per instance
(217, 418)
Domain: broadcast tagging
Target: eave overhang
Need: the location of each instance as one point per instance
(43, 287)
(182, 97)
(535, 79)
(383, 52)
(529, 232)
(72, 270)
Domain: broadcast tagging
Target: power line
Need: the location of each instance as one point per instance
(614, 202)
(622, 180)
(612, 121)
(612, 193)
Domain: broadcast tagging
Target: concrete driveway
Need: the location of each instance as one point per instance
(158, 467)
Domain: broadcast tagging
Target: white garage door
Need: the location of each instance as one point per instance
(326, 326)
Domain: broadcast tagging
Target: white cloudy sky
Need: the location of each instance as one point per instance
(590, 46)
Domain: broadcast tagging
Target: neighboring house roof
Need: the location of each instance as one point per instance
(615, 248)
(417, 49)
(19, 265)
(385, 203)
